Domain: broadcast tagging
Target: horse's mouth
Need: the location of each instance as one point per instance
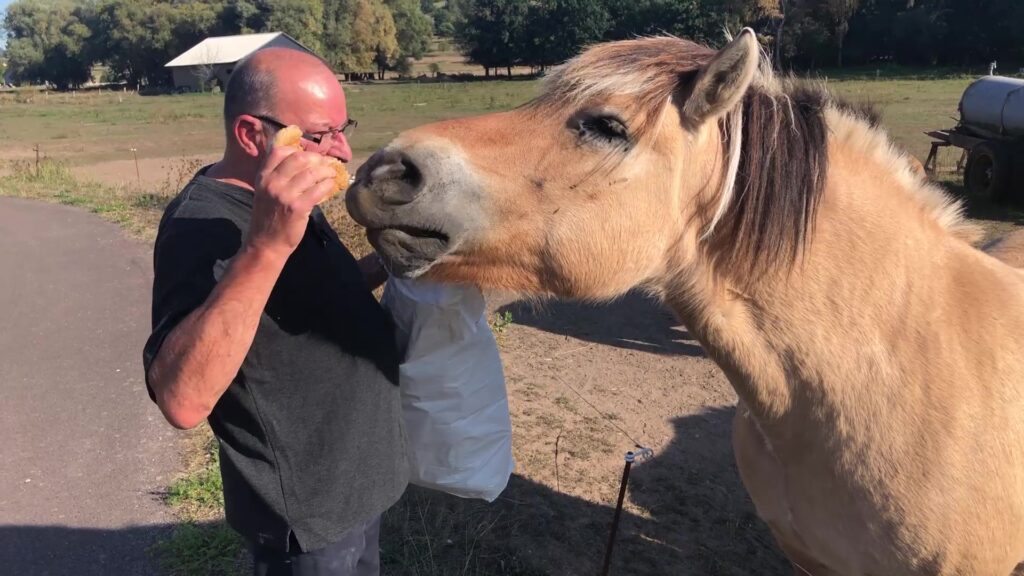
(409, 251)
(416, 205)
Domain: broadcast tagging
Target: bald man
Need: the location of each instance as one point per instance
(265, 325)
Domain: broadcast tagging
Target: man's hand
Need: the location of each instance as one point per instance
(287, 188)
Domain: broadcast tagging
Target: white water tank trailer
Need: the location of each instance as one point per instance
(991, 133)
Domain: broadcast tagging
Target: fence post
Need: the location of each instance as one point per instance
(138, 174)
(36, 148)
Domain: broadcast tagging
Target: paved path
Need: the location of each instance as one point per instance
(83, 450)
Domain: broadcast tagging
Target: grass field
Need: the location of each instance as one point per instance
(94, 127)
(427, 534)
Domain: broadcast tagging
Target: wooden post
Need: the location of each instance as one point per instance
(36, 148)
(138, 173)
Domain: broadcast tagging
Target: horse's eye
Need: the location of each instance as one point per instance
(603, 129)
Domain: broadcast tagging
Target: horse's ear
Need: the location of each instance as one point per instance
(723, 82)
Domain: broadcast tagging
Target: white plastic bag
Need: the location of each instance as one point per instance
(453, 389)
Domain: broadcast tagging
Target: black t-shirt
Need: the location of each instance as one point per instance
(310, 432)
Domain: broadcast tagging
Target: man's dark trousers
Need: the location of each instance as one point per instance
(356, 554)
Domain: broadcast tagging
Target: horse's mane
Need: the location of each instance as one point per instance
(776, 142)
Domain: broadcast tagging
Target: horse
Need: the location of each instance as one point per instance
(877, 355)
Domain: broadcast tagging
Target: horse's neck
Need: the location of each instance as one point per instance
(825, 330)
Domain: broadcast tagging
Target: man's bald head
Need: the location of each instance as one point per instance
(264, 78)
(277, 87)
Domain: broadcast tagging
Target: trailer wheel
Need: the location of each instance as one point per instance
(988, 172)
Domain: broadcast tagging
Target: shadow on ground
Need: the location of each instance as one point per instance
(186, 548)
(983, 208)
(62, 550)
(690, 516)
(696, 520)
(635, 322)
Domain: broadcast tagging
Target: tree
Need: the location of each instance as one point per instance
(558, 29)
(240, 17)
(838, 13)
(683, 18)
(359, 36)
(136, 39)
(490, 32)
(300, 19)
(373, 41)
(413, 28)
(381, 35)
(337, 32)
(48, 42)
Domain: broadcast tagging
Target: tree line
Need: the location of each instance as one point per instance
(800, 34)
(59, 41)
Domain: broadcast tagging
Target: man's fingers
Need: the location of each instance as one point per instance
(298, 163)
(317, 194)
(307, 178)
(276, 157)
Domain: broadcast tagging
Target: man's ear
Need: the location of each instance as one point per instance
(724, 81)
(248, 134)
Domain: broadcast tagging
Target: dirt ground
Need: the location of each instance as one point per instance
(686, 510)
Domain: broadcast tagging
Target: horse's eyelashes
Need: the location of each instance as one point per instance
(603, 129)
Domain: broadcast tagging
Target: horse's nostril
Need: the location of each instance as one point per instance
(412, 174)
(395, 177)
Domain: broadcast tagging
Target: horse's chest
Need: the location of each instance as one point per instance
(810, 515)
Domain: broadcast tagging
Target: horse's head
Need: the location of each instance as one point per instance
(584, 191)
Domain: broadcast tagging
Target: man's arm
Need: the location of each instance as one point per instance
(202, 355)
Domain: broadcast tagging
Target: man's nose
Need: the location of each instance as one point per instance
(340, 149)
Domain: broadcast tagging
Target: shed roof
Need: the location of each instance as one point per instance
(227, 49)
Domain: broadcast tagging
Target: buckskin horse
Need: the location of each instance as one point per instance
(877, 355)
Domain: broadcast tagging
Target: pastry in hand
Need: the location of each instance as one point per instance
(291, 135)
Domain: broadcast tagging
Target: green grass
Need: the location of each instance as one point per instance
(202, 491)
(105, 126)
(203, 543)
(909, 107)
(195, 548)
(501, 322)
(95, 127)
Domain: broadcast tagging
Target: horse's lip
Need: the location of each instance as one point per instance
(408, 251)
(411, 232)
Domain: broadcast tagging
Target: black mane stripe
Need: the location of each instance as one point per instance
(782, 171)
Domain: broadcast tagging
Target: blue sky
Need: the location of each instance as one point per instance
(3, 7)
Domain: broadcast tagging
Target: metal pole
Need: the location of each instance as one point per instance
(618, 512)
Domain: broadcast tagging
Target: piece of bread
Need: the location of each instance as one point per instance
(291, 135)
(288, 136)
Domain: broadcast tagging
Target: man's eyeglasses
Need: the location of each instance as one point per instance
(317, 138)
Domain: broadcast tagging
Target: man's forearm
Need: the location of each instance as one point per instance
(201, 356)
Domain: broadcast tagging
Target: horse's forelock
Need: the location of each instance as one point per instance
(648, 70)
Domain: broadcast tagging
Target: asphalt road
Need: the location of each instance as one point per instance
(83, 452)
